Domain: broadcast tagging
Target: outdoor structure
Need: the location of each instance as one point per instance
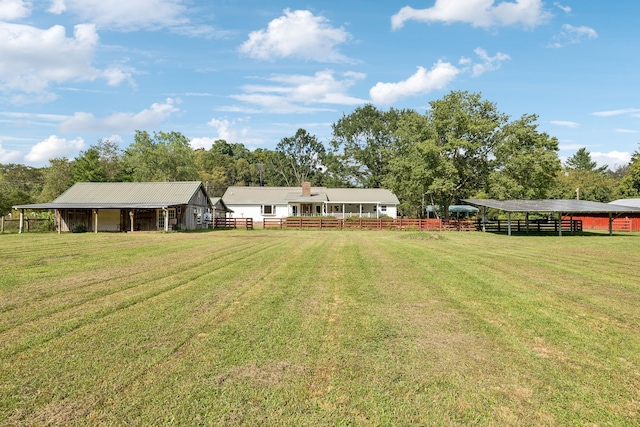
(562, 208)
(281, 202)
(220, 209)
(129, 206)
(628, 221)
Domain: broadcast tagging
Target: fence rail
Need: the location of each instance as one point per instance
(369, 223)
(227, 223)
(519, 225)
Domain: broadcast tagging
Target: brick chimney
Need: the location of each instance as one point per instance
(306, 189)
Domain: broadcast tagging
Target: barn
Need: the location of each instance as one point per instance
(129, 206)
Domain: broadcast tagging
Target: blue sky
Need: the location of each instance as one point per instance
(75, 71)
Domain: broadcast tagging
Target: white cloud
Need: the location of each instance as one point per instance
(54, 147)
(566, 9)
(612, 158)
(125, 15)
(292, 93)
(57, 7)
(32, 58)
(14, 9)
(621, 112)
(566, 124)
(9, 156)
(572, 35)
(478, 13)
(119, 122)
(626, 131)
(297, 34)
(202, 142)
(489, 63)
(422, 82)
(227, 130)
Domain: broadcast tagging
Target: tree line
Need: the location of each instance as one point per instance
(462, 147)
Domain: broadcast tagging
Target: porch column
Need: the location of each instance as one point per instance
(344, 213)
(95, 216)
(131, 218)
(166, 219)
(21, 229)
(508, 223)
(378, 210)
(59, 220)
(2, 225)
(360, 210)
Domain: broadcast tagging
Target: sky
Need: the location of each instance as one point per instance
(73, 72)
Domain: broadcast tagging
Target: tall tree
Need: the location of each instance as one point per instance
(467, 130)
(361, 140)
(413, 162)
(58, 177)
(630, 183)
(525, 162)
(300, 158)
(581, 161)
(87, 167)
(165, 156)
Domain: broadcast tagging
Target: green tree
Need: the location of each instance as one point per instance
(630, 183)
(300, 158)
(58, 177)
(87, 167)
(525, 162)
(467, 129)
(581, 161)
(585, 185)
(413, 162)
(22, 184)
(361, 141)
(165, 156)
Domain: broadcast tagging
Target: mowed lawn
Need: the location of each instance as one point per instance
(319, 328)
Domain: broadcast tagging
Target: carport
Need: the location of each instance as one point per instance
(552, 206)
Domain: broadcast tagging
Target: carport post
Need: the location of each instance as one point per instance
(508, 223)
(559, 223)
(610, 224)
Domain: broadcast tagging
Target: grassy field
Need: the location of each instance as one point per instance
(319, 328)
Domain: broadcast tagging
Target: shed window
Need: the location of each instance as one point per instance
(172, 215)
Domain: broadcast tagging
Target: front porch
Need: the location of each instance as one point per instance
(339, 210)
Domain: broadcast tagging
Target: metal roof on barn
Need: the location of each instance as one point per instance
(102, 195)
(552, 205)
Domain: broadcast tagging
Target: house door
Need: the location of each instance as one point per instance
(307, 209)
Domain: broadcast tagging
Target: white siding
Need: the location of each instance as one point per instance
(254, 212)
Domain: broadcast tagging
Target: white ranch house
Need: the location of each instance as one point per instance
(281, 202)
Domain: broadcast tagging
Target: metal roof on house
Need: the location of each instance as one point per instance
(284, 195)
(139, 195)
(551, 205)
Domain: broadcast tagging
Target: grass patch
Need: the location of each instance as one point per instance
(313, 328)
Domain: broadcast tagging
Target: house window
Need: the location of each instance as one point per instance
(268, 209)
(383, 208)
(172, 215)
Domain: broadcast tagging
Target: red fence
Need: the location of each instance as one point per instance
(369, 223)
(602, 223)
